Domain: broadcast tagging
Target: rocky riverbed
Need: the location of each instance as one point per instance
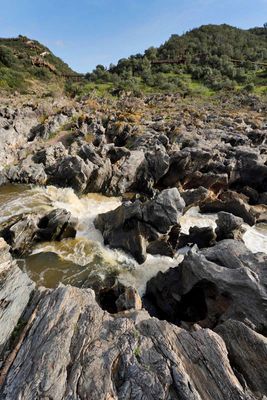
(133, 242)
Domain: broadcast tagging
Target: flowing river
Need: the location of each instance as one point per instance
(76, 261)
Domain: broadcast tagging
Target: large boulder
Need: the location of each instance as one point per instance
(15, 126)
(123, 228)
(252, 172)
(132, 225)
(57, 225)
(164, 210)
(50, 155)
(158, 163)
(49, 127)
(184, 163)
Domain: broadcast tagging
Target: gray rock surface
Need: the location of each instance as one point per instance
(27, 172)
(15, 126)
(74, 350)
(15, 290)
(21, 234)
(248, 352)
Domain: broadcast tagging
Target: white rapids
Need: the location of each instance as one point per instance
(86, 254)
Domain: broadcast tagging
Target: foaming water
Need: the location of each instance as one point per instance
(21, 199)
(255, 238)
(193, 218)
(76, 261)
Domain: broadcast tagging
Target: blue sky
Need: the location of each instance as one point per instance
(89, 32)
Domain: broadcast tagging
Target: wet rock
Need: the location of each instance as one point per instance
(161, 247)
(132, 225)
(173, 236)
(122, 228)
(232, 203)
(57, 225)
(164, 211)
(228, 226)
(72, 172)
(21, 234)
(202, 237)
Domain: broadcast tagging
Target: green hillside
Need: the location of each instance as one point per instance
(202, 61)
(24, 61)
(206, 59)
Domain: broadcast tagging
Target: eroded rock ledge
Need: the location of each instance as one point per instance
(69, 348)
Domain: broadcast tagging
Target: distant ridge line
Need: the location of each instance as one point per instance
(183, 61)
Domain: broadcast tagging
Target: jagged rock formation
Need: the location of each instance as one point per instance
(70, 348)
(69, 343)
(223, 282)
